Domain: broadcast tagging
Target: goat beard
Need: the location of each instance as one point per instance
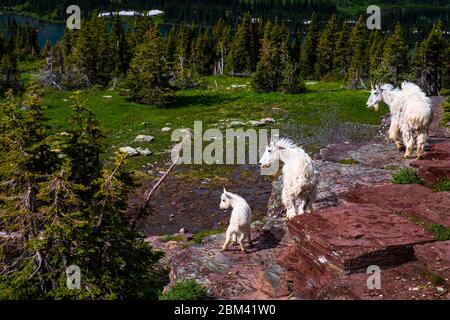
(376, 107)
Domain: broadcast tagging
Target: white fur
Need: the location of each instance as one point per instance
(411, 114)
(299, 176)
(240, 222)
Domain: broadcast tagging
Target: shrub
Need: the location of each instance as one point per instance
(198, 238)
(348, 161)
(436, 279)
(171, 237)
(442, 186)
(406, 176)
(441, 232)
(187, 289)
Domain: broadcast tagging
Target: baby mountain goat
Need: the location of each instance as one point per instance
(299, 176)
(411, 114)
(240, 221)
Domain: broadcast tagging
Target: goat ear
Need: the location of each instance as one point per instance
(224, 190)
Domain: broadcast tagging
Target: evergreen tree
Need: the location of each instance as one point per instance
(119, 48)
(104, 65)
(446, 70)
(148, 77)
(9, 70)
(222, 39)
(202, 55)
(326, 48)
(275, 71)
(341, 53)
(56, 222)
(394, 66)
(358, 54)
(375, 54)
(308, 56)
(240, 58)
(429, 60)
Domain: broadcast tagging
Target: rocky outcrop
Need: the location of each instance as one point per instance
(360, 220)
(436, 164)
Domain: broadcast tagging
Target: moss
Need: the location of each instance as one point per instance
(406, 176)
(436, 279)
(198, 238)
(441, 232)
(442, 186)
(391, 167)
(187, 289)
(348, 161)
(171, 237)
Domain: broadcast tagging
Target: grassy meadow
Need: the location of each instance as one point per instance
(215, 101)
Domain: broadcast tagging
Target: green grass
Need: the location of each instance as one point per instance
(171, 237)
(348, 161)
(442, 186)
(187, 289)
(436, 279)
(198, 237)
(121, 120)
(441, 232)
(406, 176)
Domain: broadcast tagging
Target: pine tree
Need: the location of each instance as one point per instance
(82, 60)
(222, 39)
(308, 56)
(120, 50)
(358, 55)
(268, 75)
(63, 219)
(429, 60)
(375, 54)
(326, 48)
(240, 58)
(202, 54)
(9, 69)
(341, 53)
(275, 71)
(446, 70)
(394, 66)
(148, 77)
(104, 66)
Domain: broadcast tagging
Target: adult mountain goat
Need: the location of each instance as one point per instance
(299, 176)
(411, 114)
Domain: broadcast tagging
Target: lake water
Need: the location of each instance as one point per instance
(46, 30)
(421, 19)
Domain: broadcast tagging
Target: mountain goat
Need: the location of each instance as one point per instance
(411, 115)
(299, 176)
(240, 222)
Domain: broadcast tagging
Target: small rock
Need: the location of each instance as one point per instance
(107, 97)
(130, 151)
(440, 289)
(166, 129)
(183, 231)
(144, 152)
(143, 138)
